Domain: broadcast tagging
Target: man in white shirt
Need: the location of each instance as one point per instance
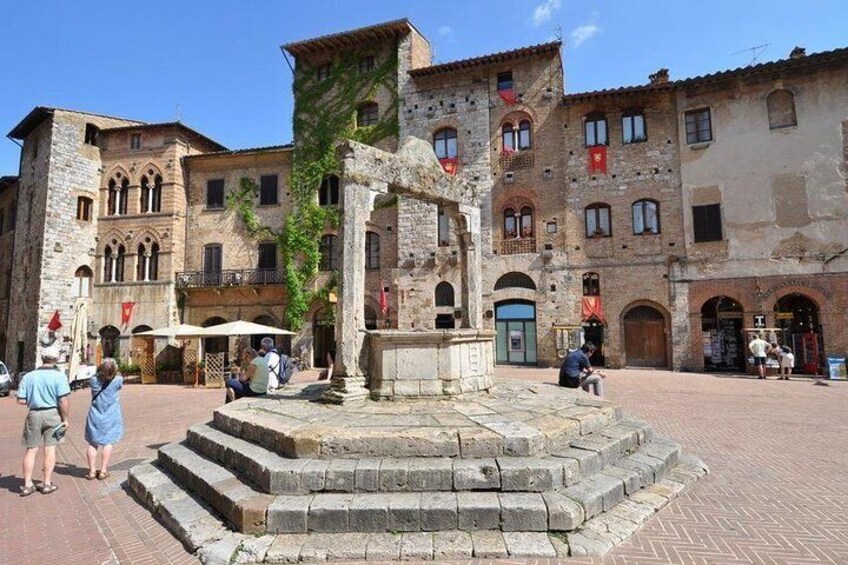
(759, 348)
(278, 365)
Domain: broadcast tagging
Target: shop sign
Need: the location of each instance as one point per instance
(785, 316)
(760, 321)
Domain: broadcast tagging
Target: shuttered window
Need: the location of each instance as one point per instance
(707, 222)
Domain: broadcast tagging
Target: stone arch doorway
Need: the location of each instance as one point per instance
(798, 316)
(323, 337)
(644, 337)
(515, 322)
(110, 342)
(721, 328)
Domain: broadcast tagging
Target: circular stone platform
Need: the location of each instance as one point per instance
(515, 418)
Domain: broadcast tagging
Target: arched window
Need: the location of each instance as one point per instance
(591, 284)
(781, 109)
(141, 263)
(117, 200)
(372, 250)
(366, 64)
(510, 227)
(598, 220)
(151, 193)
(444, 294)
(646, 217)
(517, 139)
(368, 114)
(444, 143)
(508, 136)
(518, 225)
(370, 317)
(329, 193)
(148, 262)
(82, 282)
(113, 263)
(515, 280)
(329, 253)
(524, 134)
(525, 221)
(596, 130)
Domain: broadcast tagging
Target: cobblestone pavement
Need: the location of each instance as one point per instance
(777, 492)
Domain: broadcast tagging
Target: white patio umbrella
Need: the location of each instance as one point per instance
(182, 331)
(240, 327)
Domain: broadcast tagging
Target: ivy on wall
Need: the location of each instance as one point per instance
(324, 115)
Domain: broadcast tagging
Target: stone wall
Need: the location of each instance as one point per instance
(8, 201)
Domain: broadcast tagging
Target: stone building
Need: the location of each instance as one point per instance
(663, 221)
(8, 210)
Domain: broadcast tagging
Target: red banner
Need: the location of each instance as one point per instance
(592, 308)
(55, 323)
(450, 165)
(508, 95)
(126, 312)
(598, 159)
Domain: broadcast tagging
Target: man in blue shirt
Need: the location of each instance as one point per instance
(45, 392)
(576, 371)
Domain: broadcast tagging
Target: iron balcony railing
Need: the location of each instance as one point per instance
(514, 246)
(238, 277)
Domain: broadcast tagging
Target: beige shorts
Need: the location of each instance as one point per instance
(39, 426)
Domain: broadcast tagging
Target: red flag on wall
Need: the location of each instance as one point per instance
(126, 312)
(384, 299)
(450, 165)
(508, 95)
(55, 322)
(592, 308)
(598, 159)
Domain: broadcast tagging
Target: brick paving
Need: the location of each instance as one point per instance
(777, 492)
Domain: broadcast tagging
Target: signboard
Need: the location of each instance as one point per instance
(760, 321)
(785, 316)
(836, 368)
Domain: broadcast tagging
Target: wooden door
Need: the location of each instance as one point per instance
(644, 338)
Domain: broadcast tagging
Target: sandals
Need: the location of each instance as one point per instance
(101, 475)
(47, 489)
(26, 491)
(91, 475)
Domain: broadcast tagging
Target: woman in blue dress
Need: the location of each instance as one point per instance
(105, 424)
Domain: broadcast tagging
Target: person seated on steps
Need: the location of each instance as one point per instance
(577, 371)
(253, 381)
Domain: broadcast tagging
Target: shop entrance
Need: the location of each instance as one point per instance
(798, 316)
(593, 331)
(515, 322)
(721, 327)
(324, 337)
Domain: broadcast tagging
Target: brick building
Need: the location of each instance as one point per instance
(663, 221)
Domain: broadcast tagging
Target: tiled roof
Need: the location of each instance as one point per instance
(266, 149)
(7, 181)
(344, 39)
(41, 113)
(521, 52)
(835, 55)
(191, 131)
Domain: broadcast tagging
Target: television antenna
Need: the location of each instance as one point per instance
(754, 52)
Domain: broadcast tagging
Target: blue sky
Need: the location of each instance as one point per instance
(217, 65)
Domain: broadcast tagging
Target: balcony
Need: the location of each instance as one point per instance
(513, 160)
(523, 245)
(243, 277)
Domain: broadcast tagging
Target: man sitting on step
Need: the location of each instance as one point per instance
(576, 371)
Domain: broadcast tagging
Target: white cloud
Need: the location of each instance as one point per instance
(545, 11)
(445, 30)
(583, 33)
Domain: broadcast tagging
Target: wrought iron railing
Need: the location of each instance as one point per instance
(523, 245)
(241, 277)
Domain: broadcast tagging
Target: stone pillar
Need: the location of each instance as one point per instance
(348, 381)
(467, 219)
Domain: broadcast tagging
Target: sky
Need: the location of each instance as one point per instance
(217, 66)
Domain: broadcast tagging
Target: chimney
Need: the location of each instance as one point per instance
(798, 53)
(659, 77)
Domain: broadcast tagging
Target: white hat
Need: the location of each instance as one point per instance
(51, 353)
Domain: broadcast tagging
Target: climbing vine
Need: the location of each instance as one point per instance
(324, 115)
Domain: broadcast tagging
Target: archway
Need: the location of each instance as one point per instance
(515, 322)
(644, 337)
(323, 337)
(265, 320)
(110, 341)
(216, 344)
(798, 316)
(721, 327)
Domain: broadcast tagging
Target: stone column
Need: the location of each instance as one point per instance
(467, 219)
(348, 381)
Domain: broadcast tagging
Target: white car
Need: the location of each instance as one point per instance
(5, 380)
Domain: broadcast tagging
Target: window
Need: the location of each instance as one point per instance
(633, 127)
(444, 143)
(366, 64)
(215, 194)
(368, 114)
(82, 282)
(372, 250)
(151, 195)
(329, 193)
(118, 192)
(524, 134)
(147, 268)
(591, 284)
(781, 109)
(445, 322)
(267, 256)
(698, 126)
(83, 208)
(515, 280)
(322, 72)
(329, 253)
(518, 225)
(598, 220)
(113, 263)
(505, 81)
(508, 135)
(646, 217)
(135, 141)
(444, 294)
(212, 258)
(516, 139)
(92, 134)
(443, 228)
(707, 222)
(596, 130)
(267, 190)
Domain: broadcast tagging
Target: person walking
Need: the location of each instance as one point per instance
(577, 371)
(279, 364)
(45, 392)
(760, 349)
(252, 381)
(104, 426)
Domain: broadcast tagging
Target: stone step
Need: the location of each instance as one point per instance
(239, 503)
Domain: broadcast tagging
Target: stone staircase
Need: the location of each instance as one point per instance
(234, 494)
